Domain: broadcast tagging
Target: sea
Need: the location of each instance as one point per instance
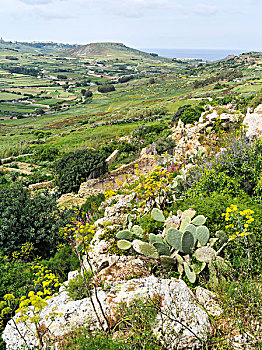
(204, 54)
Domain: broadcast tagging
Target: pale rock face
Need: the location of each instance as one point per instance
(209, 301)
(116, 213)
(253, 123)
(184, 324)
(71, 315)
(110, 160)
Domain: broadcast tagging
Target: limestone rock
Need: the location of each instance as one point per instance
(208, 300)
(180, 322)
(112, 157)
(116, 213)
(253, 123)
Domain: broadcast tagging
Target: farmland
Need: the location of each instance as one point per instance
(48, 93)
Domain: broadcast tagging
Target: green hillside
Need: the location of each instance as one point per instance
(111, 50)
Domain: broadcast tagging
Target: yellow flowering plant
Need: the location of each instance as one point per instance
(238, 224)
(238, 221)
(26, 253)
(154, 188)
(79, 234)
(30, 306)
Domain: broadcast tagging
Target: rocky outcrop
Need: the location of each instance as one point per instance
(116, 209)
(253, 123)
(180, 322)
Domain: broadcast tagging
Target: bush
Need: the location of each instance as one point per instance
(192, 114)
(212, 181)
(165, 144)
(29, 219)
(106, 88)
(240, 166)
(143, 130)
(48, 154)
(93, 203)
(179, 113)
(77, 167)
(62, 263)
(14, 276)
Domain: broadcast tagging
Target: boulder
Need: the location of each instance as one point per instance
(116, 209)
(209, 301)
(253, 123)
(180, 322)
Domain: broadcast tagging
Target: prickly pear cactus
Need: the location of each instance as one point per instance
(155, 238)
(123, 244)
(205, 254)
(138, 231)
(125, 234)
(199, 220)
(173, 238)
(149, 250)
(187, 243)
(157, 215)
(162, 249)
(191, 276)
(202, 233)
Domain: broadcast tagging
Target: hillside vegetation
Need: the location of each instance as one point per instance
(135, 172)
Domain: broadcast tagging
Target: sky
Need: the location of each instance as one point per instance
(207, 24)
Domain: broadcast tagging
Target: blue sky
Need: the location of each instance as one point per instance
(218, 24)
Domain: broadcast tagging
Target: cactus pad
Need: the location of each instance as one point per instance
(157, 215)
(167, 262)
(149, 250)
(155, 238)
(191, 276)
(173, 237)
(205, 254)
(138, 231)
(187, 242)
(162, 249)
(199, 220)
(123, 244)
(202, 235)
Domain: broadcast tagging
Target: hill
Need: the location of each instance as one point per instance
(109, 49)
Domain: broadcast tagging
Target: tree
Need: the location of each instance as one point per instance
(25, 218)
(106, 88)
(77, 167)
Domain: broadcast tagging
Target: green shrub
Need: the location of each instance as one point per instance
(192, 114)
(62, 263)
(106, 88)
(76, 287)
(77, 167)
(44, 154)
(33, 219)
(14, 276)
(143, 130)
(212, 181)
(179, 113)
(239, 167)
(165, 144)
(92, 204)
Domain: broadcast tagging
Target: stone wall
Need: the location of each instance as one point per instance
(39, 185)
(126, 173)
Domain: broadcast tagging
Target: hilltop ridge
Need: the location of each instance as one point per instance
(110, 49)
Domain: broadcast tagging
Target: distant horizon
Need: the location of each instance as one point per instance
(139, 23)
(138, 47)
